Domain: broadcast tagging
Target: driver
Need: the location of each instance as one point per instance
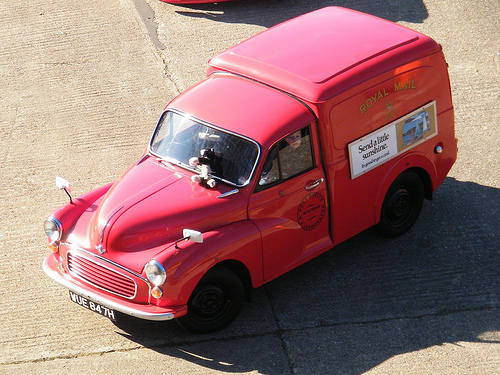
(294, 157)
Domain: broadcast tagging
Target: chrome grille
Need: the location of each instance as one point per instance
(100, 276)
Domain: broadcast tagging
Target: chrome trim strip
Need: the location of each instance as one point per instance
(107, 222)
(90, 259)
(58, 278)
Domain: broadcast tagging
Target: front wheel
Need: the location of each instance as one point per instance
(402, 205)
(214, 303)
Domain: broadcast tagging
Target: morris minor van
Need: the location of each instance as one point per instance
(297, 139)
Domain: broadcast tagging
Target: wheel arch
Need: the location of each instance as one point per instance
(241, 271)
(426, 180)
(418, 163)
(237, 247)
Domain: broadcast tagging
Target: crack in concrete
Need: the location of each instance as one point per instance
(148, 17)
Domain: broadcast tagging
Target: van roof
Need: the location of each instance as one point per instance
(320, 54)
(229, 109)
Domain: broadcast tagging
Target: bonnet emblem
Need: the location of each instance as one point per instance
(100, 249)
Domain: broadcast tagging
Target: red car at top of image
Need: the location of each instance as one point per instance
(297, 139)
(193, 1)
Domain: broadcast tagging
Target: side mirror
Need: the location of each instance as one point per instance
(190, 235)
(193, 235)
(62, 184)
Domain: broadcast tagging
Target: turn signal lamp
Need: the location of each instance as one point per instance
(156, 292)
(53, 246)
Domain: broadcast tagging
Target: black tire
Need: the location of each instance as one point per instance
(402, 205)
(214, 303)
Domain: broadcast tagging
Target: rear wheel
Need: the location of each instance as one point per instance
(402, 205)
(215, 302)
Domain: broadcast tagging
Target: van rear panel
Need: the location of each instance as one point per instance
(380, 128)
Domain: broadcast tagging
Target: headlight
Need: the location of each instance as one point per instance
(53, 228)
(155, 273)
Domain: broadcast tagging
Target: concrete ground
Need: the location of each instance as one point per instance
(83, 83)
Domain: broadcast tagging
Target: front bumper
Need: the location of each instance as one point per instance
(147, 312)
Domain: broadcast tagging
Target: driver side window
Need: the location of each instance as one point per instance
(288, 158)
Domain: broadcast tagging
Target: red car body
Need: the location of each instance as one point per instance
(193, 1)
(350, 84)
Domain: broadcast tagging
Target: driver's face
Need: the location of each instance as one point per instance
(294, 140)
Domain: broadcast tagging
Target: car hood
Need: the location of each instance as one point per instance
(152, 203)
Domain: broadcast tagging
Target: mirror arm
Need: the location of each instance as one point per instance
(69, 195)
(182, 239)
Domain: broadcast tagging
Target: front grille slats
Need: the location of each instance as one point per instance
(106, 277)
(101, 276)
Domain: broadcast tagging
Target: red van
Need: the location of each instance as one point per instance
(297, 139)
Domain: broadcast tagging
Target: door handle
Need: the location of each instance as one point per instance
(315, 183)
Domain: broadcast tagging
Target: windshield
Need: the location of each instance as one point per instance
(178, 138)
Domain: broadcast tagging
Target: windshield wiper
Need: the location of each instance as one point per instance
(234, 191)
(170, 160)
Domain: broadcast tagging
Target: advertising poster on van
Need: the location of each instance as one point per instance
(393, 139)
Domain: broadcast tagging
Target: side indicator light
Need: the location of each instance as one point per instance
(156, 292)
(53, 246)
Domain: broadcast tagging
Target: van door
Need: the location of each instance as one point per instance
(290, 205)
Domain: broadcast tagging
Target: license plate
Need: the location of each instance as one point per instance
(95, 307)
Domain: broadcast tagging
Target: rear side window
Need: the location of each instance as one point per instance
(288, 158)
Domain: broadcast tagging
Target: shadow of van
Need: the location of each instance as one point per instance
(254, 11)
(368, 300)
